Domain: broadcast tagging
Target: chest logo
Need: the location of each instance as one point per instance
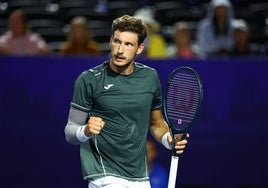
(108, 86)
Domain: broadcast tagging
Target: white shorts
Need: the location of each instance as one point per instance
(115, 182)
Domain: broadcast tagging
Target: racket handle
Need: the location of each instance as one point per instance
(173, 171)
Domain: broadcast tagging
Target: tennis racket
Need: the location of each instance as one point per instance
(182, 101)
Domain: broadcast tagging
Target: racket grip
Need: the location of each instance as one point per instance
(173, 171)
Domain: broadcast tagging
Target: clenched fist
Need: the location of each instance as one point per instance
(94, 126)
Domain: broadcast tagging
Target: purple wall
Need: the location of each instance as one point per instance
(228, 144)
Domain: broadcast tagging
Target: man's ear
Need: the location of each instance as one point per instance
(140, 48)
(111, 39)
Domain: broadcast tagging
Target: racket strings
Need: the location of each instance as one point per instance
(182, 98)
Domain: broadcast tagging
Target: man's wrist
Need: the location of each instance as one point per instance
(165, 140)
(80, 134)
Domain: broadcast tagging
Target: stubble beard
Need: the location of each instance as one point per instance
(121, 68)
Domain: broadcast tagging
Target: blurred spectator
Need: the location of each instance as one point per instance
(241, 35)
(19, 39)
(214, 34)
(183, 45)
(264, 48)
(155, 45)
(158, 175)
(80, 40)
(101, 6)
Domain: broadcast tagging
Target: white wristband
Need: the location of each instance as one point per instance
(165, 141)
(80, 134)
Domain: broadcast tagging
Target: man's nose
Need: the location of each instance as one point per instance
(120, 48)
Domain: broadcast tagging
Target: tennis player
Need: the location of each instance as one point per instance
(113, 107)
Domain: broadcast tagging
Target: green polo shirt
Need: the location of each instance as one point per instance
(124, 102)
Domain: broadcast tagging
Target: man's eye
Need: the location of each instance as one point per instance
(116, 41)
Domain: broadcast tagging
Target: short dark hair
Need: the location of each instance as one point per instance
(132, 24)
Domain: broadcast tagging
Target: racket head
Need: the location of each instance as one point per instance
(183, 97)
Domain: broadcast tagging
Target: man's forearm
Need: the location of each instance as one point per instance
(76, 120)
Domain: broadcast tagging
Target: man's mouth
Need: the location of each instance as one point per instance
(118, 57)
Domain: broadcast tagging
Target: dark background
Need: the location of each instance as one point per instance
(228, 144)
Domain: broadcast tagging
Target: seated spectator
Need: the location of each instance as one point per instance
(19, 39)
(183, 45)
(155, 45)
(214, 34)
(157, 173)
(241, 35)
(80, 40)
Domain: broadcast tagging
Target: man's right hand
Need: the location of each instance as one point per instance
(94, 126)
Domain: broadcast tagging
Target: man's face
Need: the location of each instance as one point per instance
(182, 37)
(241, 37)
(124, 48)
(79, 33)
(221, 12)
(17, 25)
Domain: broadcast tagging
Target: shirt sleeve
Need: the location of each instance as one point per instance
(82, 94)
(157, 99)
